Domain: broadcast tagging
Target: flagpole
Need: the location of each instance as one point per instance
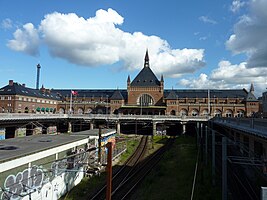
(70, 101)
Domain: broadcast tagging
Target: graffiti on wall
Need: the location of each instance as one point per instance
(48, 184)
(16, 186)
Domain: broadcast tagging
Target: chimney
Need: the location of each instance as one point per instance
(10, 83)
(23, 85)
(38, 76)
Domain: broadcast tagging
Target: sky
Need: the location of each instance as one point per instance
(96, 44)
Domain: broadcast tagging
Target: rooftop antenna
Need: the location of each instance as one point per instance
(38, 76)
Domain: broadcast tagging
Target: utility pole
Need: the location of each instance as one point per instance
(206, 145)
(99, 144)
(213, 158)
(109, 171)
(224, 168)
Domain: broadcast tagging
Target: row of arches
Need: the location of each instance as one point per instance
(216, 113)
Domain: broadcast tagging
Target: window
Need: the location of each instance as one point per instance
(9, 98)
(2, 98)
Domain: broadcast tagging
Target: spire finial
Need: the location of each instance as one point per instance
(251, 88)
(146, 59)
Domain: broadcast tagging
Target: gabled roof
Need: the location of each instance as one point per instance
(18, 89)
(145, 78)
(251, 97)
(117, 95)
(172, 95)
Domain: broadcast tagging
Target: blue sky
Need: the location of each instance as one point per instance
(97, 44)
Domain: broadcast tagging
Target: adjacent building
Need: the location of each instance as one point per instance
(145, 95)
(17, 98)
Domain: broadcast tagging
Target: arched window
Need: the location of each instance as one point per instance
(61, 110)
(205, 112)
(172, 112)
(145, 100)
(217, 113)
(229, 113)
(240, 113)
(183, 112)
(89, 110)
(26, 110)
(194, 112)
(80, 111)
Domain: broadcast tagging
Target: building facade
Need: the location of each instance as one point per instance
(17, 98)
(145, 95)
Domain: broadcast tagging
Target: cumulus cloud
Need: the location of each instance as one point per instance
(7, 23)
(208, 20)
(25, 40)
(98, 41)
(249, 35)
(237, 5)
(227, 76)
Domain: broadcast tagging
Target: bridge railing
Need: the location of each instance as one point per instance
(249, 123)
(7, 116)
(30, 116)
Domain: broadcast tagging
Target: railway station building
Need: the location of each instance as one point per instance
(145, 95)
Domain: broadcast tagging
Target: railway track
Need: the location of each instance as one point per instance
(125, 170)
(133, 172)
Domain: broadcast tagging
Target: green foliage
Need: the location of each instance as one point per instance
(173, 177)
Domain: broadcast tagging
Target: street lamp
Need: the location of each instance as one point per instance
(141, 104)
(176, 104)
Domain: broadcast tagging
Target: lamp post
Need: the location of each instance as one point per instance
(141, 104)
(176, 104)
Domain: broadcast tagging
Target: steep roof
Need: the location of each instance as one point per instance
(117, 95)
(172, 95)
(145, 78)
(251, 97)
(18, 89)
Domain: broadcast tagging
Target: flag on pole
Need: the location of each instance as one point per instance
(75, 93)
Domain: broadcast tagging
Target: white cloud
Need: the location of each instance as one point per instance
(249, 35)
(26, 40)
(206, 19)
(228, 76)
(7, 23)
(98, 41)
(237, 5)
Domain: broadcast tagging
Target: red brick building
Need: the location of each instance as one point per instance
(144, 95)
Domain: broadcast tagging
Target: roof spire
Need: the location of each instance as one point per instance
(128, 79)
(251, 88)
(146, 59)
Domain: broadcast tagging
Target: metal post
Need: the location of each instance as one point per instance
(141, 112)
(99, 144)
(224, 168)
(206, 145)
(109, 171)
(213, 158)
(197, 133)
(153, 133)
(118, 127)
